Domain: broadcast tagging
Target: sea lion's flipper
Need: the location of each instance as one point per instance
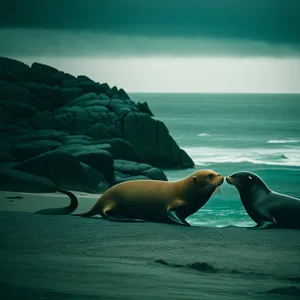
(110, 213)
(122, 219)
(263, 225)
(172, 215)
(63, 210)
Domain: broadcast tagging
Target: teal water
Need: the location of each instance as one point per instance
(230, 133)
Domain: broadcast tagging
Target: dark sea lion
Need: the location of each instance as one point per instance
(266, 207)
(64, 210)
(155, 200)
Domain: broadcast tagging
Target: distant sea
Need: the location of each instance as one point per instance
(230, 133)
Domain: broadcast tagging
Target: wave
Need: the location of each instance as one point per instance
(204, 156)
(204, 134)
(283, 141)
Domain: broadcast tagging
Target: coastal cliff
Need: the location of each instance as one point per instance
(67, 132)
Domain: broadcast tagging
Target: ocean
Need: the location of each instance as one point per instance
(229, 133)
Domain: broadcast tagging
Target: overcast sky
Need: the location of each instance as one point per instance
(161, 46)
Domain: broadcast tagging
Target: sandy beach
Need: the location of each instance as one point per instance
(65, 257)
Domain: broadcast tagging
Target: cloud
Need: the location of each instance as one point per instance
(270, 21)
(46, 42)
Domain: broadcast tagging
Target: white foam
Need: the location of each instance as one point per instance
(283, 141)
(204, 134)
(278, 157)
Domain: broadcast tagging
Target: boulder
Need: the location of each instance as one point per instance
(47, 75)
(144, 107)
(52, 135)
(5, 154)
(131, 168)
(16, 110)
(99, 132)
(85, 78)
(83, 98)
(24, 151)
(123, 94)
(51, 97)
(151, 139)
(76, 139)
(120, 177)
(13, 92)
(112, 91)
(13, 70)
(102, 96)
(93, 181)
(58, 166)
(121, 149)
(96, 156)
(74, 119)
(17, 181)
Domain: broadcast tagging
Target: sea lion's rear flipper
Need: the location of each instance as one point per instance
(172, 215)
(63, 210)
(263, 225)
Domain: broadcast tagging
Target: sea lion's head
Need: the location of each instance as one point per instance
(246, 182)
(206, 181)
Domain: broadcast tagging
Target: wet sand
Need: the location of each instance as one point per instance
(67, 257)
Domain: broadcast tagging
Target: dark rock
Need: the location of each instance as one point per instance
(13, 180)
(74, 119)
(13, 70)
(13, 109)
(82, 98)
(47, 75)
(84, 78)
(139, 169)
(76, 139)
(99, 132)
(5, 154)
(15, 128)
(52, 135)
(58, 166)
(144, 107)
(123, 94)
(102, 96)
(112, 91)
(121, 149)
(152, 140)
(30, 149)
(120, 177)
(96, 156)
(52, 97)
(13, 92)
(102, 89)
(93, 181)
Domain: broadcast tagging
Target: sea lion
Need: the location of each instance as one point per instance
(64, 210)
(155, 200)
(265, 207)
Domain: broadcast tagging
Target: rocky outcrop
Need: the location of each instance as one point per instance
(62, 131)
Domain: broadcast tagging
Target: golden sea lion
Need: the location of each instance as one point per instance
(157, 201)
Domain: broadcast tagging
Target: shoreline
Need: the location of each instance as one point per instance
(59, 257)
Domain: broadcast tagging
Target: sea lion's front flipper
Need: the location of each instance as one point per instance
(109, 215)
(121, 219)
(172, 215)
(263, 225)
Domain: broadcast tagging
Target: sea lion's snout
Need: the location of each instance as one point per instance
(229, 180)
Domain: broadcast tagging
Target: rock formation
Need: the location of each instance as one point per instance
(62, 131)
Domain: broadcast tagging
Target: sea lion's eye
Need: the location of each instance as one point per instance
(250, 177)
(210, 175)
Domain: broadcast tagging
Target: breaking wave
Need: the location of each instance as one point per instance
(283, 141)
(278, 157)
